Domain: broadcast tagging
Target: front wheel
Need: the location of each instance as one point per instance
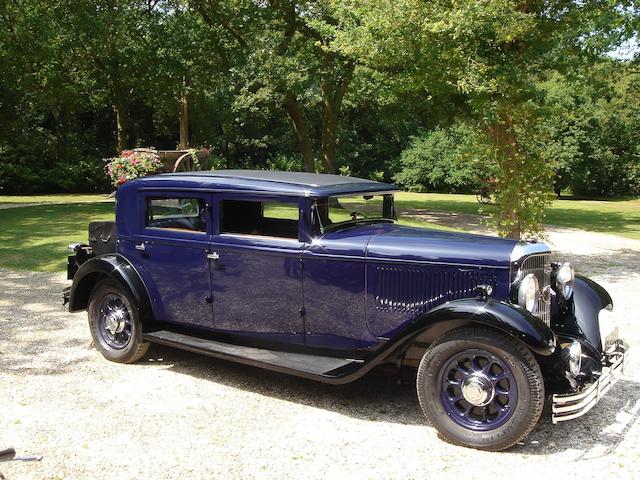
(480, 389)
(115, 324)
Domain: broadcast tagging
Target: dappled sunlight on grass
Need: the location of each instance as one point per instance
(56, 198)
(618, 217)
(35, 238)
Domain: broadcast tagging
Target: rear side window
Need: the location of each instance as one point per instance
(177, 214)
(270, 219)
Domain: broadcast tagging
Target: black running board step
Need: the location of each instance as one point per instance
(287, 362)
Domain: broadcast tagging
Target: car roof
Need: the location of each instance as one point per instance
(270, 181)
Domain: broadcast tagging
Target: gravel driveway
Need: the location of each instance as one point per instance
(177, 415)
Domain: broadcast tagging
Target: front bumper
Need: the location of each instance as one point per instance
(574, 405)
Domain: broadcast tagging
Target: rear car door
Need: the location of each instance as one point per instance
(170, 253)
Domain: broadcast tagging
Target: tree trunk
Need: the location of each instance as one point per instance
(302, 132)
(508, 191)
(121, 136)
(332, 89)
(184, 117)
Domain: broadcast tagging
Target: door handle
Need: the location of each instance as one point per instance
(142, 247)
(213, 256)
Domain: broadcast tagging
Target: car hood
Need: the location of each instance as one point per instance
(437, 246)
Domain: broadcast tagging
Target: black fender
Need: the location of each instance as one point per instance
(511, 319)
(578, 317)
(425, 329)
(113, 266)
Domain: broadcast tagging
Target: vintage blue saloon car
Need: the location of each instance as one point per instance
(310, 275)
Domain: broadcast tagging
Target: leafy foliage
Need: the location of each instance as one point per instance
(453, 160)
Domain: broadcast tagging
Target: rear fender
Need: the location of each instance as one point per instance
(110, 266)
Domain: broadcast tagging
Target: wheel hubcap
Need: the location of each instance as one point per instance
(478, 390)
(115, 324)
(115, 321)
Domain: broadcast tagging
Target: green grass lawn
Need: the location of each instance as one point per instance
(35, 237)
(617, 217)
(56, 198)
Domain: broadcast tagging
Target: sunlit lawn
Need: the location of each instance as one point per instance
(35, 237)
(618, 217)
(56, 198)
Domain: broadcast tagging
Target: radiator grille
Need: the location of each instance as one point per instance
(540, 265)
(418, 289)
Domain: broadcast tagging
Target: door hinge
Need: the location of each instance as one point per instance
(208, 299)
(302, 311)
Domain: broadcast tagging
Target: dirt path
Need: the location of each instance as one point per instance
(180, 415)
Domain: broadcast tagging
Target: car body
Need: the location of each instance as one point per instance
(311, 275)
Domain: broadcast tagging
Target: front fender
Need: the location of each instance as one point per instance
(510, 319)
(115, 267)
(578, 317)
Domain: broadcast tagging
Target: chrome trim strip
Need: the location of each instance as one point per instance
(527, 248)
(570, 406)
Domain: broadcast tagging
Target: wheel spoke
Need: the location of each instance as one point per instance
(502, 391)
(484, 414)
(498, 405)
(455, 398)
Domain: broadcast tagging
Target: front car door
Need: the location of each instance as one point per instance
(257, 276)
(170, 253)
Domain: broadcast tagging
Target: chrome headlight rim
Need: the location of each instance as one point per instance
(528, 292)
(565, 276)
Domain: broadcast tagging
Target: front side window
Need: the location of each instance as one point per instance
(334, 212)
(177, 214)
(269, 218)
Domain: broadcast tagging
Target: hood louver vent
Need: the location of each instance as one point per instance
(411, 289)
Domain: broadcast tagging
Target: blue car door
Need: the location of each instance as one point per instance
(256, 269)
(170, 253)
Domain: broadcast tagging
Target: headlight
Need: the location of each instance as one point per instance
(573, 356)
(608, 324)
(564, 280)
(528, 293)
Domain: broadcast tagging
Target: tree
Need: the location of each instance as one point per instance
(288, 63)
(493, 52)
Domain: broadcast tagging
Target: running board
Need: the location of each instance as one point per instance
(286, 362)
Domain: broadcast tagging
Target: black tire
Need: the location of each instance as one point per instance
(122, 347)
(438, 404)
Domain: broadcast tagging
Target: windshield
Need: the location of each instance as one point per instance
(337, 211)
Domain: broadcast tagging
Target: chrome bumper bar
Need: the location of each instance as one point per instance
(574, 405)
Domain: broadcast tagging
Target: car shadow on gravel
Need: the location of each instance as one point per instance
(379, 396)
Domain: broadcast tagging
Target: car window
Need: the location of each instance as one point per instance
(270, 218)
(177, 214)
(334, 212)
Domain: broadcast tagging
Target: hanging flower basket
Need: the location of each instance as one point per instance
(140, 162)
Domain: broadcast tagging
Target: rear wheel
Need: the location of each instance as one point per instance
(480, 388)
(115, 324)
